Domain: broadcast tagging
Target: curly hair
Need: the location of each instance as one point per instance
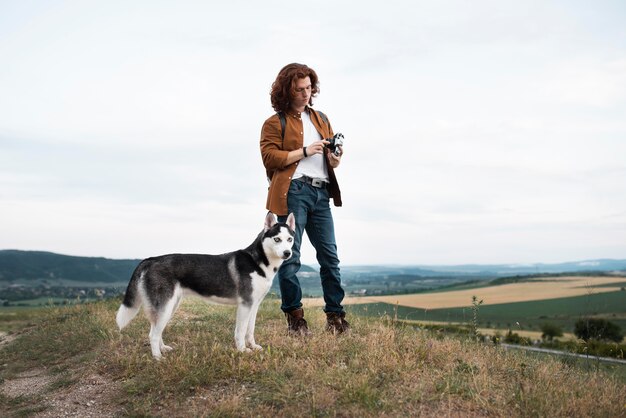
(285, 85)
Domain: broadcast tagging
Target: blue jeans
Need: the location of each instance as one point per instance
(311, 208)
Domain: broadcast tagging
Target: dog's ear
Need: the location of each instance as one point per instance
(270, 221)
(291, 222)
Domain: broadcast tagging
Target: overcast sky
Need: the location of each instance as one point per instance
(475, 131)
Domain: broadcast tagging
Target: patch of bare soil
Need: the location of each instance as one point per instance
(92, 396)
(28, 383)
(6, 338)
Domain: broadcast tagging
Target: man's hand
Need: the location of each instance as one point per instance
(316, 147)
(333, 159)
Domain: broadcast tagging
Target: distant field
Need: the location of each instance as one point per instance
(46, 301)
(537, 289)
(517, 315)
(522, 306)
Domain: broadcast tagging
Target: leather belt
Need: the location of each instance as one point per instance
(319, 183)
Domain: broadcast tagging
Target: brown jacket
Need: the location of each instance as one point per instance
(274, 153)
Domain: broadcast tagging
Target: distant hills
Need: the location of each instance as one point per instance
(40, 266)
(37, 266)
(25, 266)
(497, 270)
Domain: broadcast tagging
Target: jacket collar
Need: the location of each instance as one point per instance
(295, 114)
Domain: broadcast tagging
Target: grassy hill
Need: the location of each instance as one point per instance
(74, 361)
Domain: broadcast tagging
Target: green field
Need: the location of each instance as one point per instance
(530, 315)
(46, 301)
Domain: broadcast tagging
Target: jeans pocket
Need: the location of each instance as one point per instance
(296, 187)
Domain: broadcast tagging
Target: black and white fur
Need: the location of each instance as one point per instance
(240, 278)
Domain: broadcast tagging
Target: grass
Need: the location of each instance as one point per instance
(13, 319)
(380, 369)
(58, 334)
(586, 364)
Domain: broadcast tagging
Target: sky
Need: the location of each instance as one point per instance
(475, 131)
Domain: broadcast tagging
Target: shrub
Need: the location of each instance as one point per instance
(597, 329)
(514, 338)
(549, 331)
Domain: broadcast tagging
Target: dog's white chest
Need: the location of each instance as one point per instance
(261, 285)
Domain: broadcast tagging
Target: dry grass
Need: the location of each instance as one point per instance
(548, 288)
(533, 335)
(378, 370)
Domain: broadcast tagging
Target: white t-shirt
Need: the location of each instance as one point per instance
(313, 165)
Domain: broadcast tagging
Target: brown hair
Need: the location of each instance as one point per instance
(285, 85)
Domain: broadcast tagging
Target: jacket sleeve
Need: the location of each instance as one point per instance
(272, 153)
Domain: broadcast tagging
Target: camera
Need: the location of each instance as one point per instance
(335, 142)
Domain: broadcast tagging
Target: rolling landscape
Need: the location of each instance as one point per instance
(44, 272)
(515, 297)
(425, 340)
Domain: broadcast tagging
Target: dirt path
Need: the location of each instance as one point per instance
(91, 396)
(6, 338)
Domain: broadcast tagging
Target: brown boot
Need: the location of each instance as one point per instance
(336, 323)
(297, 323)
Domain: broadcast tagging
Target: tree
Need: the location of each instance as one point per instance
(549, 331)
(597, 329)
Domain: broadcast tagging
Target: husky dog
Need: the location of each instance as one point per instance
(240, 278)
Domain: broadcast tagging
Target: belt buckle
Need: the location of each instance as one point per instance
(317, 183)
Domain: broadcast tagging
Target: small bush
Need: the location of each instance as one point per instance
(515, 338)
(549, 331)
(597, 329)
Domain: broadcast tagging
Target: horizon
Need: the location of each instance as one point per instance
(474, 133)
(399, 265)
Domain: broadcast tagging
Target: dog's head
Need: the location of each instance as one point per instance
(278, 236)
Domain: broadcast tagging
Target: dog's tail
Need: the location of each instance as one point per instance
(132, 300)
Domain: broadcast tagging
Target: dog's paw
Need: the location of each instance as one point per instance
(166, 348)
(256, 347)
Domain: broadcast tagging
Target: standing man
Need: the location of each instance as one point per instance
(302, 179)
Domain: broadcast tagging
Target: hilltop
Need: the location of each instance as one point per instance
(73, 361)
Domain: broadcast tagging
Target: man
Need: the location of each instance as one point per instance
(300, 169)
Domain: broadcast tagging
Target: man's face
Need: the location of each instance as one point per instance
(302, 94)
